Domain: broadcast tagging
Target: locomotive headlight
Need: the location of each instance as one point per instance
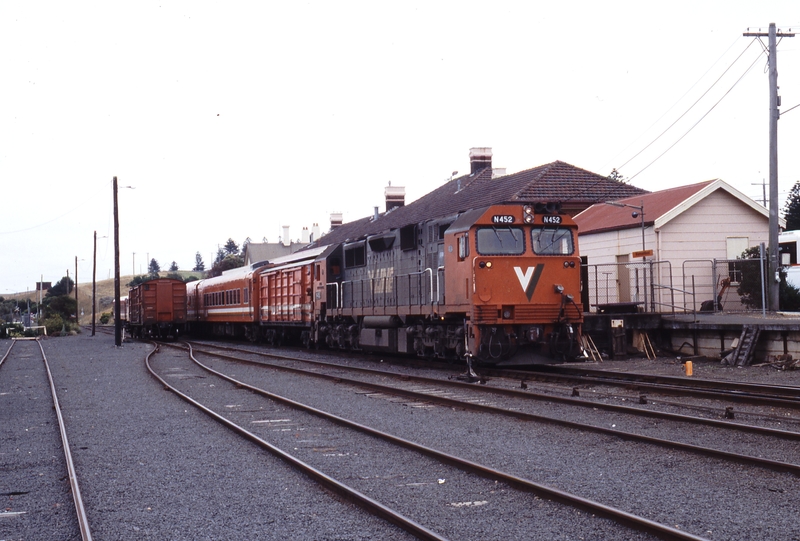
(485, 264)
(528, 214)
(558, 288)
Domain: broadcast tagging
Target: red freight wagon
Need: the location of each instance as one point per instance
(287, 303)
(157, 308)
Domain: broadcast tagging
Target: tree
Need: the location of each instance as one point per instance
(616, 176)
(226, 263)
(750, 283)
(154, 268)
(199, 266)
(791, 212)
(62, 287)
(173, 267)
(220, 256)
(231, 247)
(141, 279)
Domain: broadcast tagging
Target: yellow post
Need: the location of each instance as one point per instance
(687, 366)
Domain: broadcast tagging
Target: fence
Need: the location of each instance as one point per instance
(699, 285)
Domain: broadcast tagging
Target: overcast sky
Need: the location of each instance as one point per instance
(233, 119)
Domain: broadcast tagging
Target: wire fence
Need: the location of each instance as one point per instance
(698, 285)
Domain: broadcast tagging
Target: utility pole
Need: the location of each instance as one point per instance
(117, 315)
(94, 282)
(773, 278)
(77, 308)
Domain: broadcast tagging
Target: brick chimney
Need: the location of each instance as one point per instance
(395, 196)
(479, 158)
(336, 220)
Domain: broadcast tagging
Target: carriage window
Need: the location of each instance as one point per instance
(552, 241)
(500, 241)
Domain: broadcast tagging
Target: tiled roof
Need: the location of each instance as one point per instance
(558, 181)
(602, 217)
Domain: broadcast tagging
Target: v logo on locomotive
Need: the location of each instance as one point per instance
(529, 278)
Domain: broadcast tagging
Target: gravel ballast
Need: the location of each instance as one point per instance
(150, 467)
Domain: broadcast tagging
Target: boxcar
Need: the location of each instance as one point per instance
(157, 309)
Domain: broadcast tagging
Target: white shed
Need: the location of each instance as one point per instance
(658, 248)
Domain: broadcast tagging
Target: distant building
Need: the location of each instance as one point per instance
(267, 251)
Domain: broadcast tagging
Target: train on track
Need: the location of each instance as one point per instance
(156, 309)
(495, 285)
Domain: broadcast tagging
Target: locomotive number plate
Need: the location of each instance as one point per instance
(502, 219)
(551, 219)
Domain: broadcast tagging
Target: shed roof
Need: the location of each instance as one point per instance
(659, 207)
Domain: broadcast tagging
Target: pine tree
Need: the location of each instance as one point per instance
(791, 212)
(231, 247)
(198, 263)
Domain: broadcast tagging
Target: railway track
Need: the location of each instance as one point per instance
(524, 405)
(784, 396)
(21, 353)
(439, 394)
(441, 460)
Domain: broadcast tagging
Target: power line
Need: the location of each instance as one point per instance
(700, 120)
(703, 95)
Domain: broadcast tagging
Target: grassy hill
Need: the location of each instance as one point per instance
(105, 295)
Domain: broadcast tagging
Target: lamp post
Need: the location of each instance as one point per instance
(634, 214)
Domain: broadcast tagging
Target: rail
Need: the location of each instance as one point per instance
(83, 520)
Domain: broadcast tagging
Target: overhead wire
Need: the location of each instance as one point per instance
(700, 120)
(703, 95)
(684, 94)
(625, 181)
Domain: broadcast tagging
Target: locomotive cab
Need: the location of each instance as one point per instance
(515, 270)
